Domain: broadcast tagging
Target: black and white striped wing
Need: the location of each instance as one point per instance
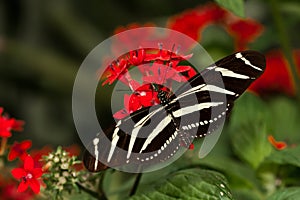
(197, 108)
(126, 142)
(216, 88)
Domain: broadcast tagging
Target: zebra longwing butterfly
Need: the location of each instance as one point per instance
(155, 134)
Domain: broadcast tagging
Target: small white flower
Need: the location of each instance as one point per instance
(66, 174)
(64, 166)
(56, 159)
(62, 180)
(50, 156)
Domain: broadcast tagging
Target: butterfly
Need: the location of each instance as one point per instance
(156, 134)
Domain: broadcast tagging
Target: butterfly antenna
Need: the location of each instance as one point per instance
(160, 48)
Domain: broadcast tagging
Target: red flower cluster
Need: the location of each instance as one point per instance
(9, 124)
(28, 176)
(193, 22)
(157, 66)
(152, 62)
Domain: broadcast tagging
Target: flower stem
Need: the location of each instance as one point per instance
(135, 185)
(3, 145)
(285, 43)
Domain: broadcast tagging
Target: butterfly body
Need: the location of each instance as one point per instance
(155, 134)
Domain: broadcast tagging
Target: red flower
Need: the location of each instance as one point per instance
(193, 21)
(133, 39)
(19, 150)
(9, 124)
(28, 176)
(137, 57)
(277, 144)
(161, 74)
(144, 96)
(115, 71)
(276, 78)
(244, 31)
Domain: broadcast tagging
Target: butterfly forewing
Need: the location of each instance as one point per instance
(197, 108)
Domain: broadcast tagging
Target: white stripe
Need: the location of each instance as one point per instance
(156, 131)
(195, 108)
(137, 128)
(190, 91)
(96, 152)
(247, 62)
(213, 88)
(147, 117)
(114, 142)
(229, 73)
(203, 87)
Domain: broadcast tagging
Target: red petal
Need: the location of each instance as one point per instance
(18, 173)
(134, 84)
(1, 111)
(22, 187)
(26, 144)
(23, 156)
(192, 73)
(35, 186)
(12, 154)
(134, 103)
(126, 102)
(191, 147)
(5, 134)
(18, 125)
(121, 114)
(245, 31)
(177, 77)
(183, 68)
(28, 163)
(37, 172)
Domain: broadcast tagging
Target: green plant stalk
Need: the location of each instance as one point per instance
(135, 185)
(285, 43)
(3, 146)
(92, 193)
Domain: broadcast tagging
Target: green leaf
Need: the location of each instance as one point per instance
(189, 184)
(241, 176)
(248, 130)
(284, 119)
(287, 156)
(286, 194)
(235, 6)
(251, 144)
(246, 194)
